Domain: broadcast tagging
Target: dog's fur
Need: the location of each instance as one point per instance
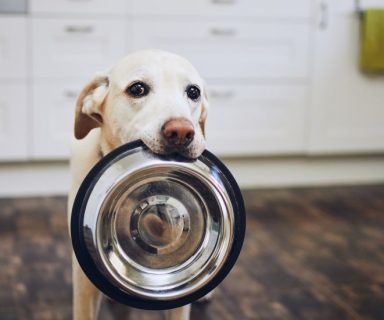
(107, 117)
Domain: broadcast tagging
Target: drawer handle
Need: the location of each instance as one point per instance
(223, 1)
(222, 32)
(70, 94)
(79, 29)
(324, 15)
(228, 94)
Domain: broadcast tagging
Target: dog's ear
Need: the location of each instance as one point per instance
(89, 106)
(204, 110)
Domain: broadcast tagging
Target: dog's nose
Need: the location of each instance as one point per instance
(178, 132)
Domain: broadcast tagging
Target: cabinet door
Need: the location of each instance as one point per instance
(53, 118)
(78, 6)
(14, 122)
(256, 119)
(347, 105)
(13, 48)
(76, 47)
(231, 49)
(274, 9)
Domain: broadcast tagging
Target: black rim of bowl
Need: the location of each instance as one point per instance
(96, 276)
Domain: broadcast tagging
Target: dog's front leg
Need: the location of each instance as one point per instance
(181, 313)
(86, 298)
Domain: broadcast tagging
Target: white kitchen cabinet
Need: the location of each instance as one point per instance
(282, 79)
(53, 118)
(347, 114)
(13, 47)
(228, 49)
(256, 119)
(65, 48)
(15, 126)
(14, 112)
(79, 7)
(272, 9)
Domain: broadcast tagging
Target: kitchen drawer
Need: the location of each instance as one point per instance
(76, 47)
(13, 47)
(79, 6)
(256, 119)
(344, 8)
(229, 49)
(14, 122)
(53, 118)
(234, 8)
(13, 6)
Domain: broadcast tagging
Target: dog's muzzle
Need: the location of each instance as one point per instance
(157, 232)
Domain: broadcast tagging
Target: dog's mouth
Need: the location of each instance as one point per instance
(158, 145)
(174, 150)
(190, 152)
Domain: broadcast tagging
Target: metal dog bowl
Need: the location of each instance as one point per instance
(157, 232)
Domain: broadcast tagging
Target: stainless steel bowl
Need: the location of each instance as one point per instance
(157, 232)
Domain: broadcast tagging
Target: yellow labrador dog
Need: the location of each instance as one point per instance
(152, 95)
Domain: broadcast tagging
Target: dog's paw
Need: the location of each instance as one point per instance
(207, 298)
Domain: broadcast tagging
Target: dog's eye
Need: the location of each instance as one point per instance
(138, 89)
(193, 92)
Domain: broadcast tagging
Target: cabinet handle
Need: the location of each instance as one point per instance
(223, 32)
(324, 15)
(70, 94)
(223, 1)
(79, 29)
(226, 94)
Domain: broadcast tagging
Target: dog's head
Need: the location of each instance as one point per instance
(154, 96)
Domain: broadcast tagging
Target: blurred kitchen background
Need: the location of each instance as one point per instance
(289, 103)
(293, 112)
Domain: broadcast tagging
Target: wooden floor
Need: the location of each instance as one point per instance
(309, 254)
